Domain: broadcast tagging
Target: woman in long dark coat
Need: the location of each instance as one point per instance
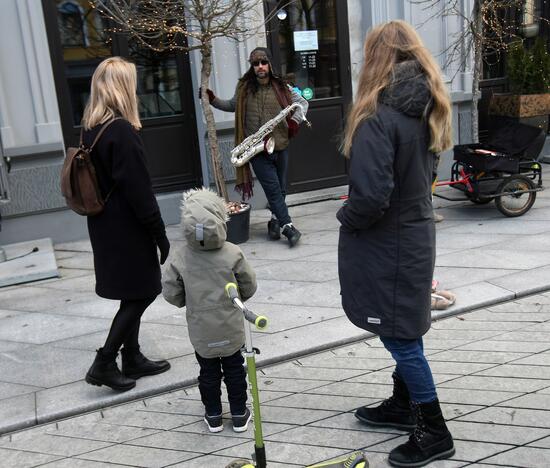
(401, 118)
(126, 234)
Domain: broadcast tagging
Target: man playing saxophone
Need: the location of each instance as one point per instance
(259, 97)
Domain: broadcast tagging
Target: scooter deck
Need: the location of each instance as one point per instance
(353, 460)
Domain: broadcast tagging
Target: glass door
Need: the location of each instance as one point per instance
(310, 44)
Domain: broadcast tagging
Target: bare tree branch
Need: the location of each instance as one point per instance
(187, 25)
(486, 32)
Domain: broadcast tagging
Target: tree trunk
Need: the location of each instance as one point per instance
(478, 57)
(217, 172)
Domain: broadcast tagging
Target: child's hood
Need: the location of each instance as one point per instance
(204, 218)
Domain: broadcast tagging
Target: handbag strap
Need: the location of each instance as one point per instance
(98, 136)
(96, 139)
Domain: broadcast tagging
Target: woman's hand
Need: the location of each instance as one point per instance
(164, 246)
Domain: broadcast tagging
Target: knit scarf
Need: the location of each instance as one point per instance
(244, 183)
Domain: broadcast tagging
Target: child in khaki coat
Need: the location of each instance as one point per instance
(196, 277)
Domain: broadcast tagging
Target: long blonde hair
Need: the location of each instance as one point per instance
(386, 45)
(113, 93)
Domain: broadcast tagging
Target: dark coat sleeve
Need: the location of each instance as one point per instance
(371, 177)
(246, 278)
(173, 287)
(131, 177)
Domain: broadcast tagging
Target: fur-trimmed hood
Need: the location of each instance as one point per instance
(204, 219)
(408, 91)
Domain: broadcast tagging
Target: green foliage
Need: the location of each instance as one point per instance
(540, 70)
(518, 64)
(529, 70)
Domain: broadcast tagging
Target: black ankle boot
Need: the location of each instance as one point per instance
(431, 440)
(104, 371)
(393, 412)
(274, 229)
(136, 365)
(292, 234)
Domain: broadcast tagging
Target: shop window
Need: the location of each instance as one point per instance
(72, 27)
(158, 86)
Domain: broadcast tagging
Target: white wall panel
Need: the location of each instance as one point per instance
(28, 103)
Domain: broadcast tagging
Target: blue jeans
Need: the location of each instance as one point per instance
(412, 367)
(271, 171)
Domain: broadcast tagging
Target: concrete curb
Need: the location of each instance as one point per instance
(178, 385)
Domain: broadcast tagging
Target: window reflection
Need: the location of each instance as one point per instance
(305, 64)
(85, 43)
(71, 25)
(158, 84)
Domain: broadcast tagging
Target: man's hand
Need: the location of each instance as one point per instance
(211, 95)
(293, 128)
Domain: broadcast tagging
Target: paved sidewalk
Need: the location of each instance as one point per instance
(50, 329)
(492, 367)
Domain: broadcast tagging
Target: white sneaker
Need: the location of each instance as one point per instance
(240, 422)
(214, 423)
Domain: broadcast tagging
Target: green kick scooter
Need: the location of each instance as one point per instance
(353, 460)
(250, 355)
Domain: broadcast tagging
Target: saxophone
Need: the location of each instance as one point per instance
(262, 140)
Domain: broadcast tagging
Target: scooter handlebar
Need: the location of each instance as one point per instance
(232, 292)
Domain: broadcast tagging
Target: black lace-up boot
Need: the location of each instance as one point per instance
(292, 234)
(274, 229)
(136, 365)
(393, 412)
(104, 371)
(431, 440)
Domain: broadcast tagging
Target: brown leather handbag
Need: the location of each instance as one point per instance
(79, 183)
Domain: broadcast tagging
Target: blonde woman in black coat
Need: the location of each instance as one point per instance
(400, 119)
(125, 236)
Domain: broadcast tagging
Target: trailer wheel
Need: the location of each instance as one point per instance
(515, 204)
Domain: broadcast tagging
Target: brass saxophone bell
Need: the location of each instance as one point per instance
(267, 145)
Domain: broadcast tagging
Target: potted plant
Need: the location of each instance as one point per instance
(529, 80)
(190, 25)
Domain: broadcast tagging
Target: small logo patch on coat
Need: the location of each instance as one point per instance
(373, 320)
(218, 344)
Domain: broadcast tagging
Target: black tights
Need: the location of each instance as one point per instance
(125, 325)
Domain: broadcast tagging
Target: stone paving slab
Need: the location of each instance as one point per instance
(520, 371)
(535, 401)
(299, 291)
(541, 443)
(28, 261)
(514, 384)
(496, 421)
(522, 456)
(22, 459)
(51, 445)
(145, 457)
(496, 433)
(508, 416)
(40, 328)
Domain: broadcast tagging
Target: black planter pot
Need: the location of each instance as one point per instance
(238, 226)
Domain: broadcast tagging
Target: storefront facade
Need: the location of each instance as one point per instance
(49, 50)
